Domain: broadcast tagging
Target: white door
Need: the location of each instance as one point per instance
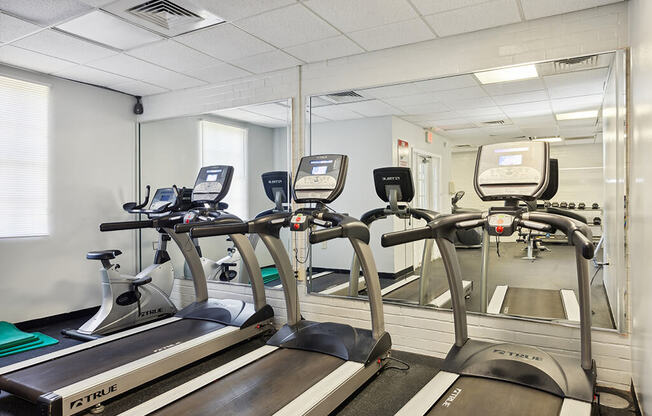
(426, 182)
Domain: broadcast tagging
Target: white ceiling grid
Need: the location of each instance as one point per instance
(258, 36)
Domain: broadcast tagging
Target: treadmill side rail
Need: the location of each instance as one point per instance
(428, 395)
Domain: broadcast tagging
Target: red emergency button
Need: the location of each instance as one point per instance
(500, 229)
(296, 226)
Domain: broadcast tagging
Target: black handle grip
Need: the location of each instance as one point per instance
(407, 236)
(126, 225)
(579, 239)
(223, 229)
(325, 235)
(185, 228)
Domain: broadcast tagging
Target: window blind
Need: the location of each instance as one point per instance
(23, 158)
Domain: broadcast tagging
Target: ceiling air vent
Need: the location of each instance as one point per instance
(570, 139)
(343, 97)
(169, 18)
(493, 123)
(572, 64)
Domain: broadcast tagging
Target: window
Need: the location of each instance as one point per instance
(227, 145)
(23, 158)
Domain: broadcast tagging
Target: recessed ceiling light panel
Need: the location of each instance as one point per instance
(548, 139)
(507, 74)
(104, 28)
(577, 115)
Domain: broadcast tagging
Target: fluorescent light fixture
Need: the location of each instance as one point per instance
(548, 139)
(577, 115)
(507, 74)
(104, 28)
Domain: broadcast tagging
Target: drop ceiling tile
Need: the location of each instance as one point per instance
(225, 42)
(23, 58)
(61, 45)
(237, 9)
(466, 93)
(536, 108)
(324, 49)
(534, 9)
(514, 87)
(435, 107)
(288, 26)
(577, 83)
(109, 30)
(335, 112)
(586, 102)
(274, 110)
(44, 13)
(489, 111)
(173, 55)
(447, 83)
(393, 34)
(354, 15)
(267, 62)
(316, 119)
(470, 104)
(534, 121)
(138, 88)
(523, 97)
(412, 100)
(144, 71)
(97, 3)
(12, 28)
(218, 73)
(444, 115)
(426, 7)
(91, 76)
(584, 122)
(469, 19)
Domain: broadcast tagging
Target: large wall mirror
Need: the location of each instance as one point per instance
(255, 140)
(434, 127)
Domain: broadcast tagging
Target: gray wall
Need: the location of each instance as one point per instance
(91, 174)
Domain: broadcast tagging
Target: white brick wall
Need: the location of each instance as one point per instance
(430, 332)
(424, 331)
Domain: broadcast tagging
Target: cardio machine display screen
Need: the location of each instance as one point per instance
(165, 196)
(319, 170)
(510, 160)
(212, 175)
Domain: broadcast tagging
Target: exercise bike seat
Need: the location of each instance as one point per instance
(103, 254)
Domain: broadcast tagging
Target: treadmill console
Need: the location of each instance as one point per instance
(277, 183)
(212, 184)
(320, 178)
(163, 197)
(515, 170)
(394, 178)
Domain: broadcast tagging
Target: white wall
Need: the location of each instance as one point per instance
(640, 198)
(91, 174)
(367, 142)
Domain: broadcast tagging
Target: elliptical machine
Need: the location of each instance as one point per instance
(128, 301)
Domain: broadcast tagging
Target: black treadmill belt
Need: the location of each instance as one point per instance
(476, 396)
(534, 303)
(48, 376)
(261, 388)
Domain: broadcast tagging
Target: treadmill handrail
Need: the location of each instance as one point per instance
(442, 230)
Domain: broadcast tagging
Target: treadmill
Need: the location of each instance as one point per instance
(307, 367)
(73, 379)
(480, 377)
(550, 304)
(395, 186)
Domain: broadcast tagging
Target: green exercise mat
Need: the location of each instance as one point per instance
(10, 336)
(269, 274)
(14, 341)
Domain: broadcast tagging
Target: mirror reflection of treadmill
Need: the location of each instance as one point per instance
(551, 304)
(395, 186)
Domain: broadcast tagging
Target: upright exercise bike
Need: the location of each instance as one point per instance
(128, 301)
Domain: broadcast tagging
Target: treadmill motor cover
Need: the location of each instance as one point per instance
(400, 179)
(320, 178)
(512, 171)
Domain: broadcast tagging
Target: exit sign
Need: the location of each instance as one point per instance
(428, 137)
